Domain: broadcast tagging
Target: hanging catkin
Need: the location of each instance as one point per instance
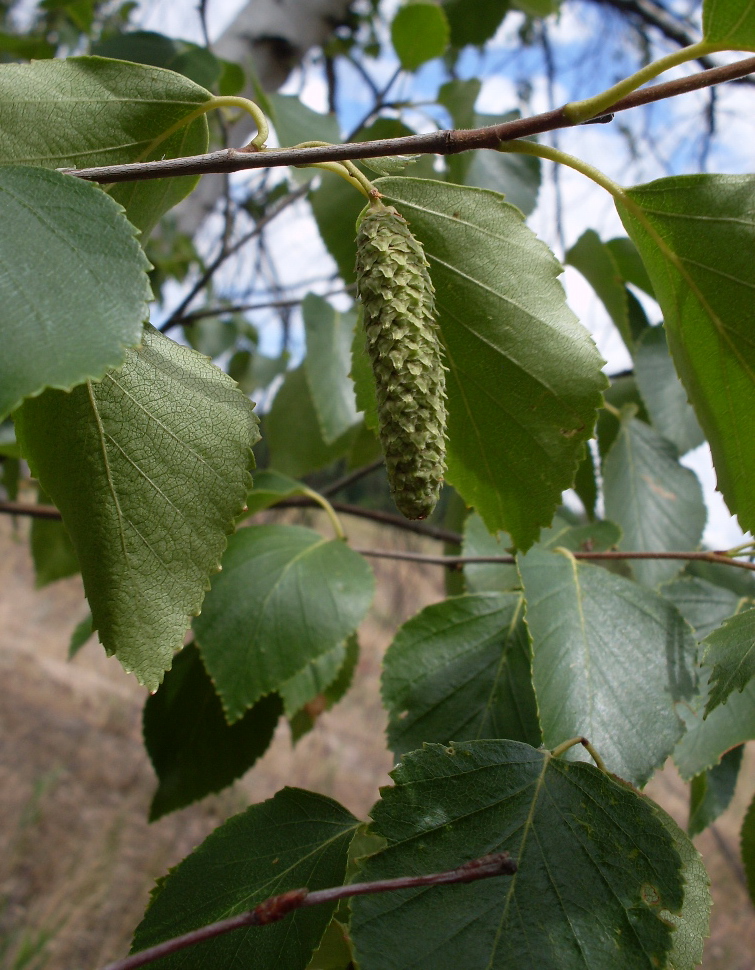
(403, 345)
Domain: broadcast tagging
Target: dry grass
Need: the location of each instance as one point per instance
(77, 857)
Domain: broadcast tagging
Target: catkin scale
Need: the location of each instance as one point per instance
(403, 345)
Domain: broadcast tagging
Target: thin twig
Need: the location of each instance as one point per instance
(454, 562)
(217, 311)
(29, 511)
(436, 142)
(277, 907)
(340, 483)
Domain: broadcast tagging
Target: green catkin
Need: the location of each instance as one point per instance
(404, 347)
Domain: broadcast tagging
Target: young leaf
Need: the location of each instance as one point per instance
(657, 502)
(104, 112)
(596, 868)
(93, 272)
(594, 260)
(748, 848)
(419, 33)
(612, 660)
(460, 670)
(295, 839)
(149, 469)
(730, 651)
(192, 748)
(517, 418)
(663, 393)
(285, 596)
(729, 23)
(696, 242)
(711, 791)
(330, 335)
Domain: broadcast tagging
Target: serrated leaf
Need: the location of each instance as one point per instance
(747, 837)
(191, 746)
(104, 112)
(729, 23)
(518, 418)
(663, 393)
(312, 680)
(295, 839)
(657, 502)
(292, 431)
(696, 237)
(285, 597)
(68, 254)
(594, 260)
(460, 670)
(595, 866)
(703, 605)
(711, 791)
(691, 925)
(149, 469)
(730, 651)
(611, 662)
(419, 33)
(330, 335)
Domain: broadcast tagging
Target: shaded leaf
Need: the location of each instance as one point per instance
(623, 391)
(730, 23)
(629, 263)
(104, 112)
(147, 47)
(285, 596)
(193, 750)
(149, 469)
(702, 604)
(594, 536)
(474, 23)
(460, 670)
(68, 254)
(663, 393)
(595, 261)
(657, 502)
(334, 953)
(739, 581)
(730, 651)
(747, 837)
(585, 483)
(489, 576)
(611, 662)
(81, 634)
(294, 122)
(696, 236)
(336, 207)
(419, 33)
(295, 839)
(330, 335)
(595, 866)
(363, 377)
(517, 418)
(318, 675)
(51, 548)
(331, 693)
(712, 791)
(270, 487)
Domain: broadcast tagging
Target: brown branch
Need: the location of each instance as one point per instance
(340, 483)
(454, 562)
(30, 511)
(277, 907)
(437, 143)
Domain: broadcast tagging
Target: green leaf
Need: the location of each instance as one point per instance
(193, 750)
(702, 604)
(270, 487)
(103, 112)
(363, 377)
(629, 263)
(81, 634)
(460, 670)
(712, 791)
(293, 434)
(730, 23)
(474, 23)
(8, 445)
(739, 581)
(748, 848)
(419, 33)
(318, 675)
(334, 953)
(330, 335)
(68, 254)
(696, 241)
(295, 839)
(327, 685)
(596, 867)
(336, 206)
(612, 660)
(593, 536)
(459, 98)
(294, 123)
(149, 469)
(663, 393)
(730, 651)
(51, 549)
(586, 484)
(692, 925)
(623, 391)
(146, 47)
(517, 417)
(594, 260)
(488, 576)
(285, 596)
(657, 502)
